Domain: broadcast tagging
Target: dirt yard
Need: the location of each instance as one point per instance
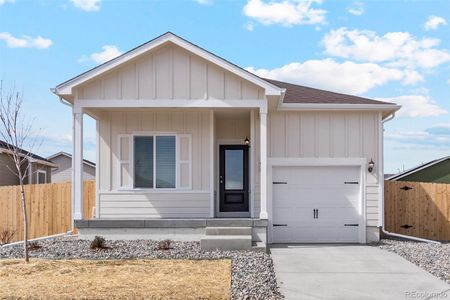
(115, 279)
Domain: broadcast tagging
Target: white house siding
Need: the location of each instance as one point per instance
(117, 203)
(169, 72)
(329, 134)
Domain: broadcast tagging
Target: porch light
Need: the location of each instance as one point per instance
(246, 141)
(371, 165)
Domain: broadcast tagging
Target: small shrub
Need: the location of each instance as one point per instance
(99, 242)
(165, 245)
(6, 236)
(33, 246)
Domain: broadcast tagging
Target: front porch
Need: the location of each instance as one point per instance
(197, 186)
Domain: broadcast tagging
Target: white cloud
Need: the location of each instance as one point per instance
(357, 8)
(6, 1)
(346, 77)
(25, 41)
(204, 2)
(448, 81)
(419, 140)
(108, 52)
(249, 26)
(286, 12)
(433, 22)
(417, 106)
(87, 5)
(395, 48)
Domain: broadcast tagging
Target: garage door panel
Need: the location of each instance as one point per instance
(333, 191)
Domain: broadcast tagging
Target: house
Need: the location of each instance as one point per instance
(63, 171)
(436, 171)
(37, 170)
(188, 141)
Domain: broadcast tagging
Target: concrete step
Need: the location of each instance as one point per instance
(226, 242)
(228, 231)
(259, 247)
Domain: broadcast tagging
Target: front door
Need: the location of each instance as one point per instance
(233, 178)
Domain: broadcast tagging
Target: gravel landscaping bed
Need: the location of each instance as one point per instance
(433, 258)
(252, 275)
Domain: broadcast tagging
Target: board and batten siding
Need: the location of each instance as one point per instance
(329, 134)
(117, 202)
(169, 72)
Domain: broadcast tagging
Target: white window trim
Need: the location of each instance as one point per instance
(40, 171)
(123, 162)
(180, 162)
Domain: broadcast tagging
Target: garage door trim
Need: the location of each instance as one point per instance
(320, 162)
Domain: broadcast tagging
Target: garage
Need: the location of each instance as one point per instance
(316, 204)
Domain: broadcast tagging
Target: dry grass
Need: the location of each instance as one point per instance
(115, 279)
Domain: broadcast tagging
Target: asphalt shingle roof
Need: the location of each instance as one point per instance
(302, 94)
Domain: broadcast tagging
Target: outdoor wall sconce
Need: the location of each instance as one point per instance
(371, 165)
(246, 141)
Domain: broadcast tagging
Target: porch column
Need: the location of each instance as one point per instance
(263, 157)
(77, 166)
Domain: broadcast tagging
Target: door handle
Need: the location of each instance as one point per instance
(220, 179)
(315, 213)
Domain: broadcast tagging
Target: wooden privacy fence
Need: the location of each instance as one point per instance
(48, 208)
(418, 209)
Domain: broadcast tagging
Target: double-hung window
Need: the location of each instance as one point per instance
(154, 161)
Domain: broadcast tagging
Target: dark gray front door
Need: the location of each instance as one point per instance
(233, 178)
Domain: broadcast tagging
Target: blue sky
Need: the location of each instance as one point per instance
(397, 50)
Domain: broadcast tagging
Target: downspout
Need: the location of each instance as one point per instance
(387, 233)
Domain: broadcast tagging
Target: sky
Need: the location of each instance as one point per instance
(396, 51)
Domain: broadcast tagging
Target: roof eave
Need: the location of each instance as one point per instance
(416, 169)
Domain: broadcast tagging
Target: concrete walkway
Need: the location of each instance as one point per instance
(351, 272)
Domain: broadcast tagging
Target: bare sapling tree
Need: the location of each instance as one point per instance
(17, 134)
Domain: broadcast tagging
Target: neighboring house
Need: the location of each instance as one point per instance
(187, 140)
(437, 171)
(37, 170)
(63, 171)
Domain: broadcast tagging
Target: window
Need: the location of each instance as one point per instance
(155, 161)
(41, 177)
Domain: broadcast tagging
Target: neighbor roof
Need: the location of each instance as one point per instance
(88, 162)
(6, 146)
(418, 168)
(302, 94)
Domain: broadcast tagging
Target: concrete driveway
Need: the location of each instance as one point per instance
(351, 272)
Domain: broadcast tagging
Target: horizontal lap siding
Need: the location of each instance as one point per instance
(327, 135)
(154, 205)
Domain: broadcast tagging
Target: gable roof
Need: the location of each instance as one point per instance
(418, 168)
(85, 161)
(302, 94)
(65, 89)
(4, 148)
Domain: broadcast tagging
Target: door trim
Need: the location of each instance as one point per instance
(320, 162)
(217, 213)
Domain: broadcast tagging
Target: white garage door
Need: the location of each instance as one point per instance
(316, 204)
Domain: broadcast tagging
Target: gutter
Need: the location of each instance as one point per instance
(65, 102)
(381, 174)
